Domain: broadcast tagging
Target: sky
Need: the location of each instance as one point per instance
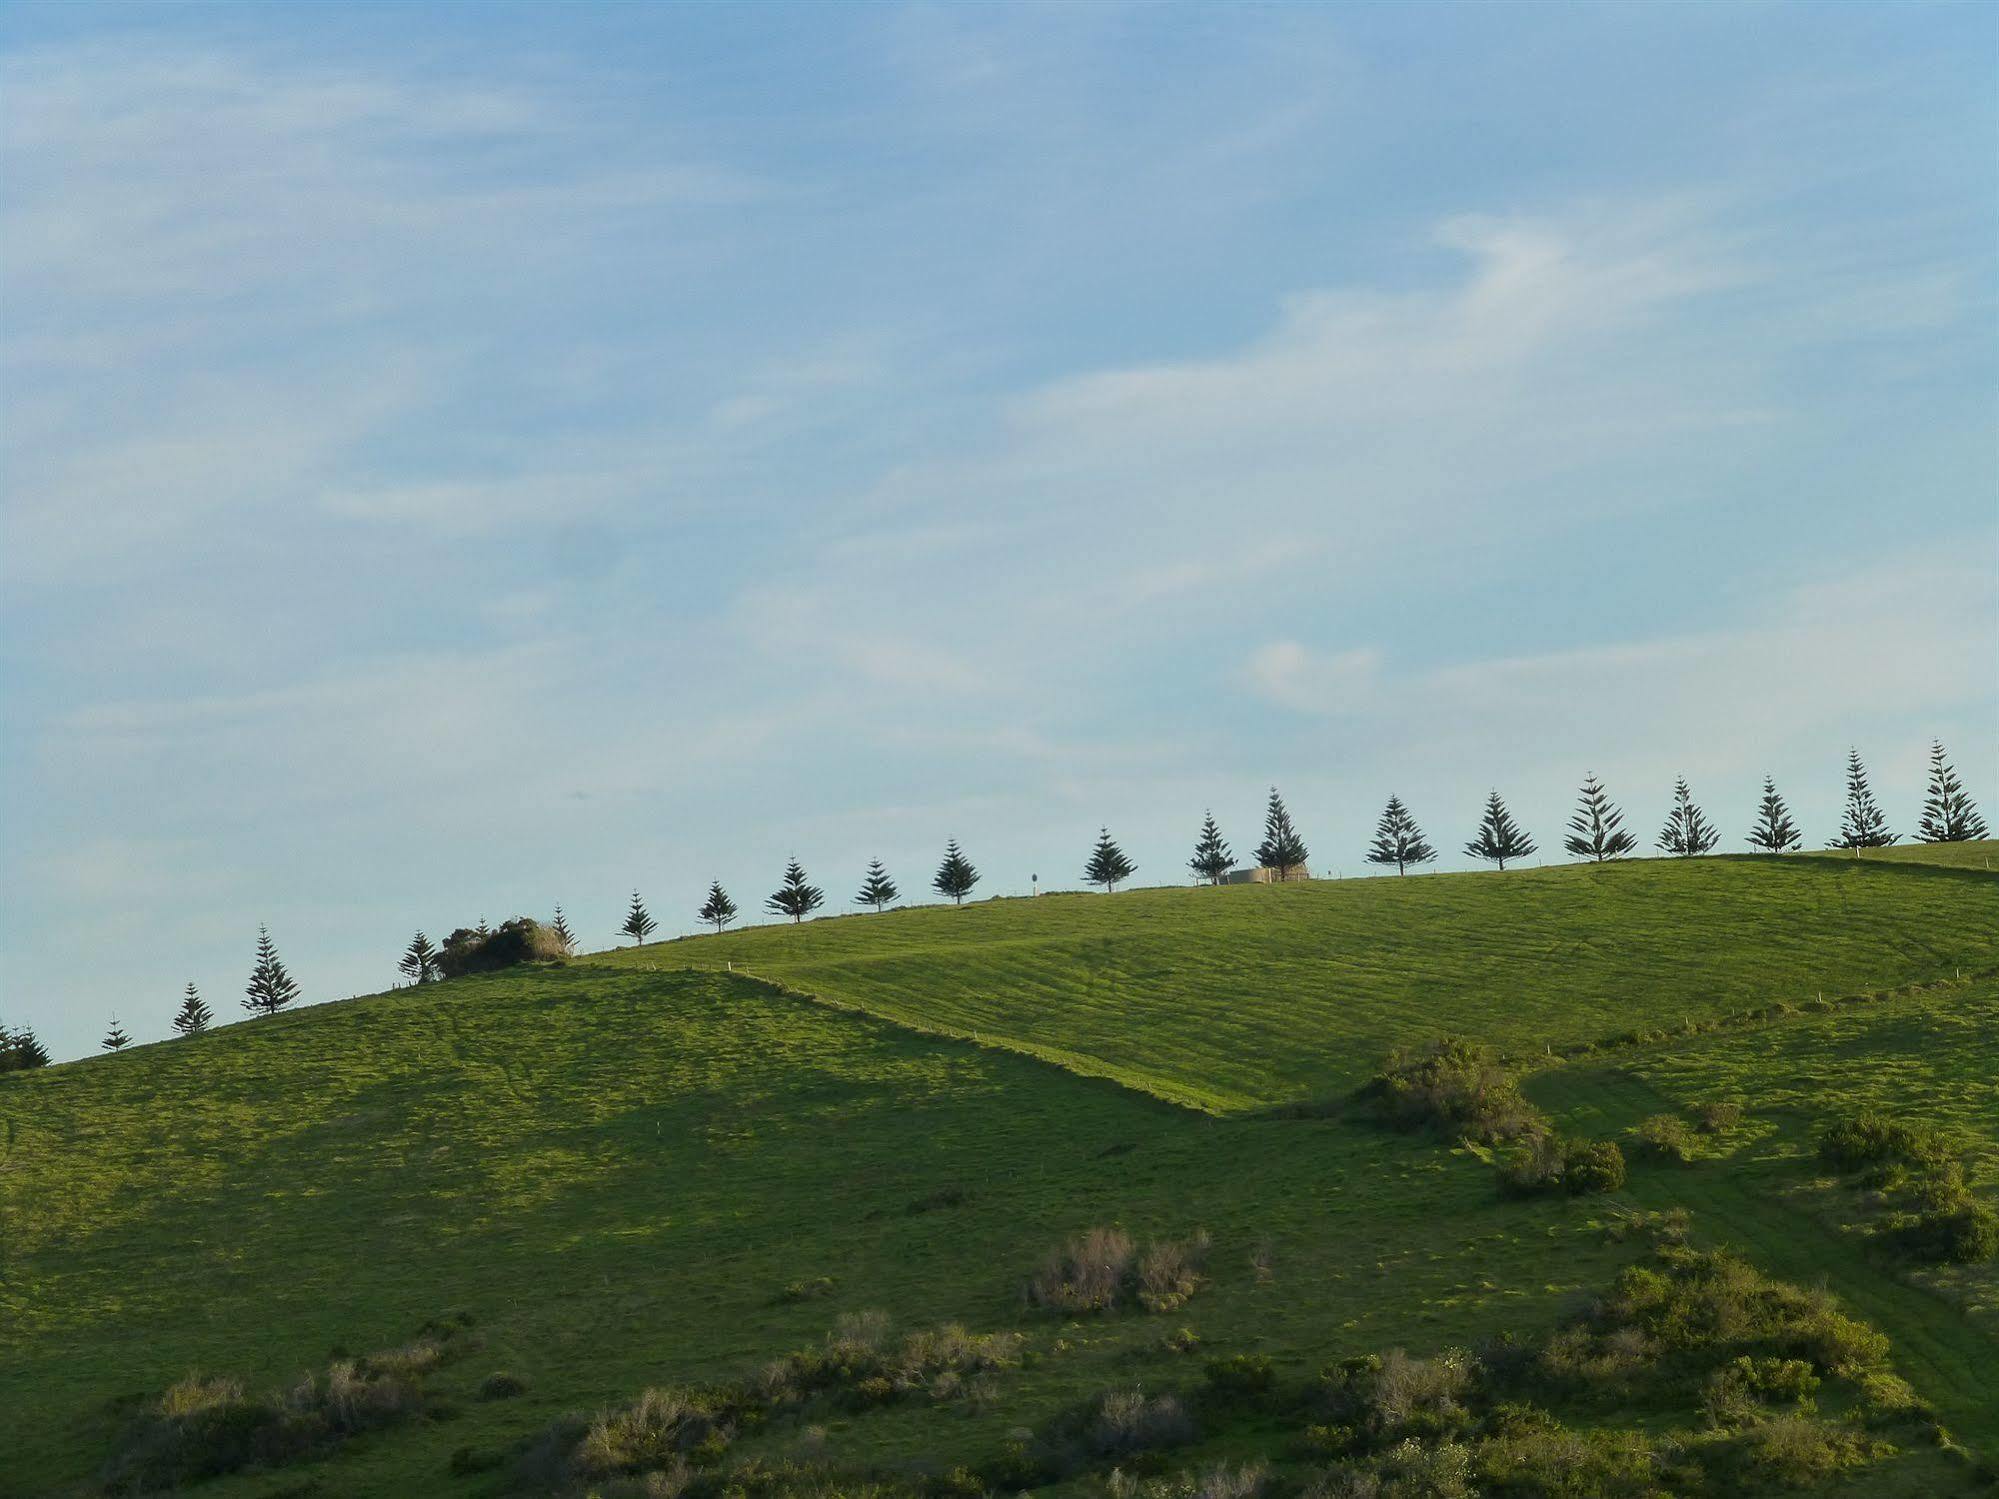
(458, 460)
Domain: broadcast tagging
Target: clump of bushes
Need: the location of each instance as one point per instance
(1740, 1393)
(501, 1385)
(1241, 1376)
(1557, 1163)
(1222, 1482)
(1871, 1139)
(1126, 1422)
(1932, 1217)
(1665, 1137)
(206, 1427)
(1101, 1268)
(661, 1431)
(1379, 1398)
(483, 950)
(1717, 1116)
(1453, 1087)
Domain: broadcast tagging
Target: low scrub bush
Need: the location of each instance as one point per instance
(1665, 1137)
(1100, 1269)
(1377, 1398)
(1222, 1482)
(500, 1385)
(1795, 1451)
(1741, 1392)
(1871, 1139)
(1241, 1376)
(809, 1289)
(1717, 1116)
(1453, 1087)
(522, 940)
(1127, 1422)
(1554, 1163)
(661, 1430)
(1967, 1234)
(1544, 1459)
(206, 1427)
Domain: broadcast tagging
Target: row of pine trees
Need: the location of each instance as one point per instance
(1596, 831)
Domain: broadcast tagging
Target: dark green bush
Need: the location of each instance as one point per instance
(521, 940)
(1454, 1087)
(1964, 1235)
(500, 1385)
(1717, 1116)
(1666, 1137)
(1873, 1139)
(1553, 1163)
(1241, 1375)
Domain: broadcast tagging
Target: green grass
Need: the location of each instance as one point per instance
(1931, 1057)
(1232, 998)
(616, 1166)
(1982, 854)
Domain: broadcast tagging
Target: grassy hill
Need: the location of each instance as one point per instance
(638, 1168)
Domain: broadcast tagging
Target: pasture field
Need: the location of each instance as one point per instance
(1227, 999)
(638, 1168)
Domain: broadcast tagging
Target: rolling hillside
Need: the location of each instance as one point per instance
(639, 1168)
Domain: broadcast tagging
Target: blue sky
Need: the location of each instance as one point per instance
(462, 459)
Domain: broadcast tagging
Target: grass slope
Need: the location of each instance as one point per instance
(1231, 998)
(616, 1175)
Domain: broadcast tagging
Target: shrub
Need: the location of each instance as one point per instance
(1552, 1163)
(1169, 1272)
(1797, 1451)
(655, 1431)
(1454, 1087)
(1873, 1139)
(1542, 1458)
(1395, 1395)
(1086, 1274)
(1964, 1235)
(521, 940)
(1222, 1482)
(500, 1385)
(809, 1289)
(1241, 1375)
(1666, 1137)
(1717, 1116)
(1127, 1422)
(1737, 1393)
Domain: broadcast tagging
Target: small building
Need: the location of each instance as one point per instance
(1263, 876)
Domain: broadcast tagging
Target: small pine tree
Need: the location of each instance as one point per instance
(1774, 831)
(795, 898)
(1397, 839)
(1949, 814)
(271, 987)
(639, 924)
(194, 1016)
(1863, 826)
(877, 890)
(1687, 830)
(1212, 856)
(1499, 837)
(115, 1039)
(717, 908)
(419, 961)
(1597, 830)
(1282, 849)
(560, 926)
(1107, 863)
(20, 1051)
(955, 876)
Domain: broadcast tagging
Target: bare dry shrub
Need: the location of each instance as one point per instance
(1086, 1274)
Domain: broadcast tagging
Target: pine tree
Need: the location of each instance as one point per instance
(1774, 831)
(1597, 830)
(1949, 814)
(115, 1039)
(718, 908)
(639, 924)
(1107, 863)
(560, 926)
(1397, 839)
(1499, 837)
(1282, 849)
(1687, 830)
(877, 890)
(1212, 856)
(419, 964)
(795, 898)
(1863, 826)
(271, 988)
(193, 1017)
(955, 876)
(20, 1051)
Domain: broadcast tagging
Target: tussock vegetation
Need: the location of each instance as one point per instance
(1917, 1173)
(1103, 1268)
(204, 1427)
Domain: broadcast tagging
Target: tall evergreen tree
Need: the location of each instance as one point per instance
(1107, 863)
(1862, 826)
(194, 1016)
(1949, 813)
(955, 876)
(1282, 849)
(1397, 839)
(419, 962)
(1212, 856)
(639, 924)
(115, 1039)
(1774, 831)
(1687, 830)
(877, 890)
(1499, 837)
(271, 987)
(1597, 830)
(563, 934)
(20, 1051)
(717, 908)
(795, 898)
